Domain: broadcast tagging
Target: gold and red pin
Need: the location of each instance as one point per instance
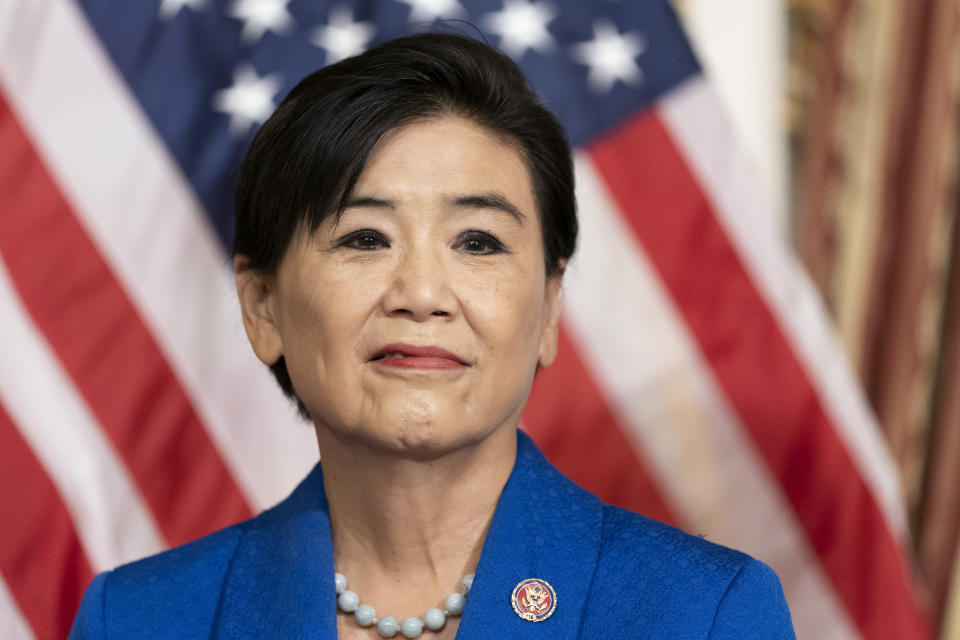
(534, 599)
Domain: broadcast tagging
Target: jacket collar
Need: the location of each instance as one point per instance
(544, 527)
(280, 583)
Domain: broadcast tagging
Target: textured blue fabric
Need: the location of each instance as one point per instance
(616, 575)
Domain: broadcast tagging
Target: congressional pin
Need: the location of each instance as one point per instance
(534, 599)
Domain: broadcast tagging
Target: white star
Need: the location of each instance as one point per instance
(170, 8)
(260, 15)
(430, 10)
(611, 56)
(341, 36)
(249, 100)
(522, 25)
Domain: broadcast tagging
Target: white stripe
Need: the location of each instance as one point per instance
(13, 626)
(696, 123)
(143, 216)
(748, 74)
(112, 523)
(636, 346)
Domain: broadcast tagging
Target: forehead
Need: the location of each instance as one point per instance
(450, 155)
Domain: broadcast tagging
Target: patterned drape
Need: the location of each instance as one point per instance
(873, 116)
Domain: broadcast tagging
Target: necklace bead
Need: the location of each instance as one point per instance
(454, 604)
(365, 615)
(412, 627)
(388, 626)
(434, 619)
(348, 601)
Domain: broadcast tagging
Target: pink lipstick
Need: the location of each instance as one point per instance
(408, 356)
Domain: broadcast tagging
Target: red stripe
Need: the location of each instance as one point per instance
(107, 350)
(40, 556)
(570, 420)
(755, 365)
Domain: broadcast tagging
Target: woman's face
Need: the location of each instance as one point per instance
(416, 321)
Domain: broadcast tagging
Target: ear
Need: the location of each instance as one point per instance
(257, 294)
(553, 299)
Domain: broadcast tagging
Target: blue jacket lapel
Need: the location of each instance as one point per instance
(544, 527)
(280, 583)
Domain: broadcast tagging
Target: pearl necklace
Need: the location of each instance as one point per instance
(412, 627)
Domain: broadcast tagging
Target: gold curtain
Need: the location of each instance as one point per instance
(873, 116)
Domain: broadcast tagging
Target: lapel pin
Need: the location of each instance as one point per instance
(534, 599)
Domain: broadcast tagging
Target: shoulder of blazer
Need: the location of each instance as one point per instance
(667, 583)
(166, 595)
(176, 592)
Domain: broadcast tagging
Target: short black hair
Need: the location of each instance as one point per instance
(305, 160)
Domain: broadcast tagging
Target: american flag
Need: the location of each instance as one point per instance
(698, 381)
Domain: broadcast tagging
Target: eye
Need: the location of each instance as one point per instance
(478, 243)
(364, 240)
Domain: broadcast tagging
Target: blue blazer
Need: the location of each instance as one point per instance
(616, 574)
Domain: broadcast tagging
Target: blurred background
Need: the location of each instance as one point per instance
(849, 109)
(761, 339)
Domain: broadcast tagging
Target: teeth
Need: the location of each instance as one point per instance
(393, 356)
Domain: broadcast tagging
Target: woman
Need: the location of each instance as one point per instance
(402, 226)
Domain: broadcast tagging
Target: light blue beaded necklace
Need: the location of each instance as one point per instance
(388, 626)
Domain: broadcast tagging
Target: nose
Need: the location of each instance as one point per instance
(420, 288)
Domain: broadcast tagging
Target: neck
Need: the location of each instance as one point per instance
(405, 529)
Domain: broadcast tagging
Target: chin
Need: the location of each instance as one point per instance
(421, 428)
(424, 437)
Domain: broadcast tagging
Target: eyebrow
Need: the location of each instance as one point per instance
(489, 200)
(368, 202)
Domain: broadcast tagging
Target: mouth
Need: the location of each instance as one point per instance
(408, 356)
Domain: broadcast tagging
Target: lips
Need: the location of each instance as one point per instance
(408, 356)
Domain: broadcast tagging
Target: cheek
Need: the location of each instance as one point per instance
(508, 314)
(327, 300)
(320, 326)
